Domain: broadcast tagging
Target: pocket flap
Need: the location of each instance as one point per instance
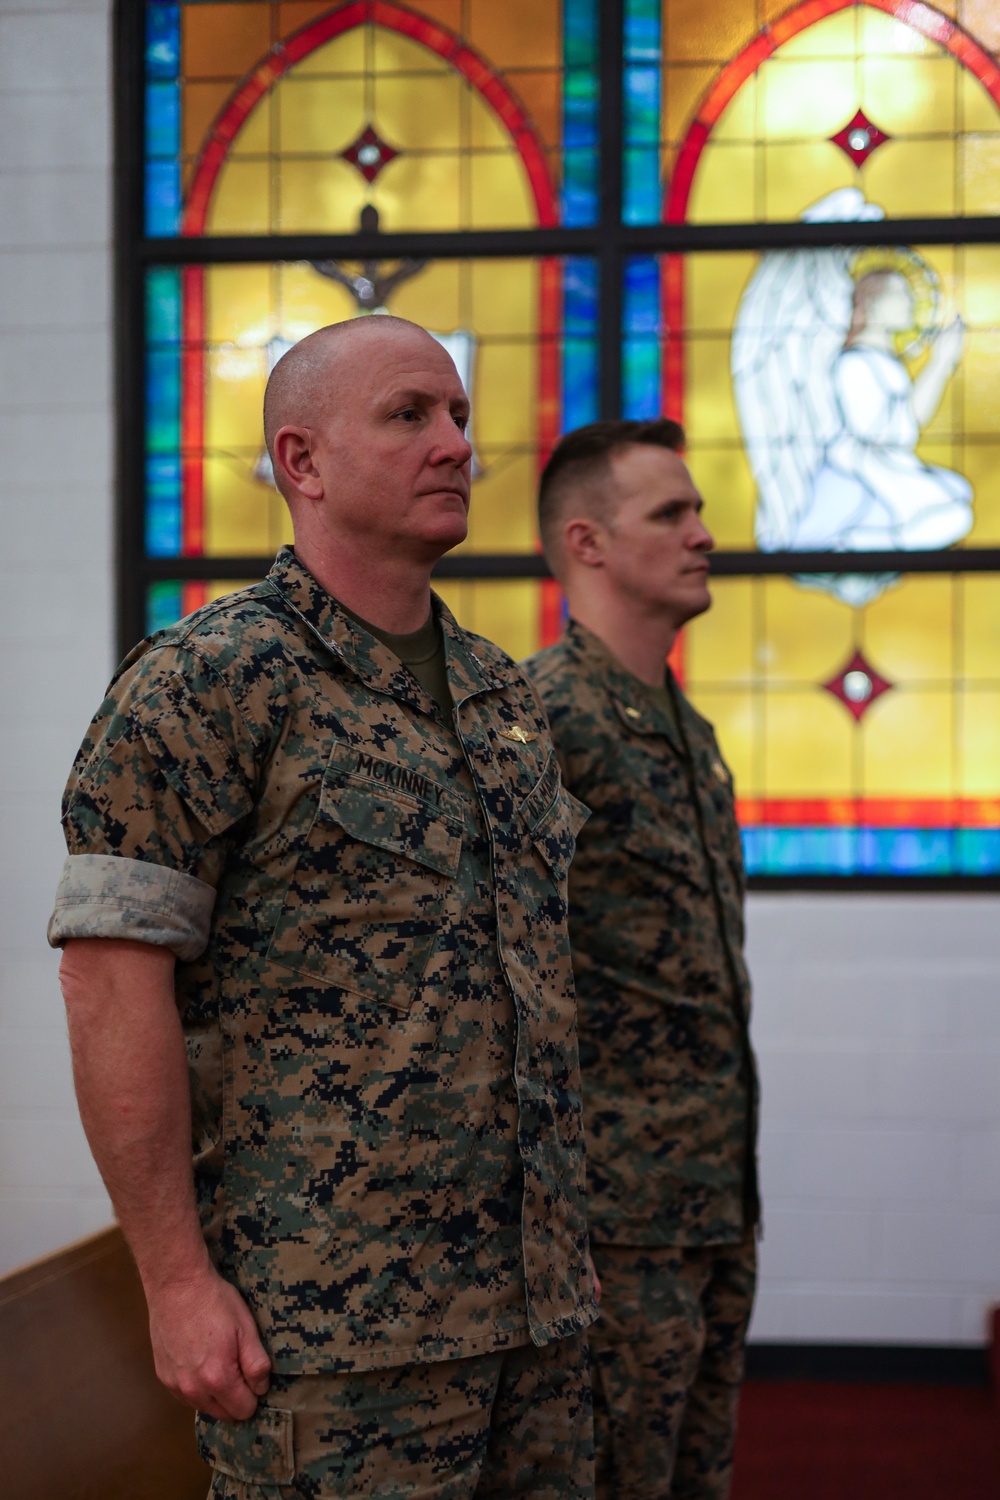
(668, 848)
(554, 818)
(393, 807)
(261, 1448)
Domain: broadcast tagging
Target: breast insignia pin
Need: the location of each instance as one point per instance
(719, 772)
(518, 735)
(632, 713)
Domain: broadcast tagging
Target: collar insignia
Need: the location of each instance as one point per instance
(632, 713)
(719, 772)
(518, 735)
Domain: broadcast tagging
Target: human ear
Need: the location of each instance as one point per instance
(293, 455)
(583, 542)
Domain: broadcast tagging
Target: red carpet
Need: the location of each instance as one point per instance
(805, 1440)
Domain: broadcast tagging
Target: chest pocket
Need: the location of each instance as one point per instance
(374, 881)
(676, 852)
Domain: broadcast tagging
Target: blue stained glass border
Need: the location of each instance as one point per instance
(580, 374)
(641, 86)
(641, 342)
(163, 412)
(580, 113)
(164, 605)
(806, 850)
(163, 120)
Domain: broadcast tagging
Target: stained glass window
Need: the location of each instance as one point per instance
(776, 222)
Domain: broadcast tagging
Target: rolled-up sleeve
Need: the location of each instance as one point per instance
(105, 896)
(164, 775)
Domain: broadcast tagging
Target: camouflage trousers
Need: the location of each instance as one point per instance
(667, 1363)
(494, 1426)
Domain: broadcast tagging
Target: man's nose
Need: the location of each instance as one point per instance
(701, 539)
(452, 444)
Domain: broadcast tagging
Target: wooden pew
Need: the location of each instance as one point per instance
(82, 1415)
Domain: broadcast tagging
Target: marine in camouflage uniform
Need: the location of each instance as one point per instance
(366, 897)
(670, 1095)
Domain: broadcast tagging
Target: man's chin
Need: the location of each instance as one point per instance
(448, 532)
(695, 604)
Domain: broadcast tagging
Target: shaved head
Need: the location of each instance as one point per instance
(307, 383)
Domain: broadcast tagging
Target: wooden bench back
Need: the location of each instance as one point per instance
(82, 1415)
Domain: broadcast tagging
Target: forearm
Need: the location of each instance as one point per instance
(130, 1069)
(928, 388)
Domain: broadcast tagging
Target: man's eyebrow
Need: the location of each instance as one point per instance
(417, 396)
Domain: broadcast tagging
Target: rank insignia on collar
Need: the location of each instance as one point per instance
(632, 713)
(518, 735)
(719, 772)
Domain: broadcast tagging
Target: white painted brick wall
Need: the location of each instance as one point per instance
(877, 1024)
(877, 1018)
(55, 569)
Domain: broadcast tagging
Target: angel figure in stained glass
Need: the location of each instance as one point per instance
(830, 413)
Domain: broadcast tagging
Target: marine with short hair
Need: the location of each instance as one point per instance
(656, 928)
(314, 931)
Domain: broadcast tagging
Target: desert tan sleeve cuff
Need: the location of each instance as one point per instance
(106, 896)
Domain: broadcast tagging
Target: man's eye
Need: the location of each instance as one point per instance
(408, 414)
(461, 423)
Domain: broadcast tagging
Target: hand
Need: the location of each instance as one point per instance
(948, 345)
(206, 1347)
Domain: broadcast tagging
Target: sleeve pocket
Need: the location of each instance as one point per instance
(554, 818)
(259, 1449)
(202, 769)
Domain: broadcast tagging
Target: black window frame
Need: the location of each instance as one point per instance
(609, 241)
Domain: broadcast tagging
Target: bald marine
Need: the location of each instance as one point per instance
(307, 381)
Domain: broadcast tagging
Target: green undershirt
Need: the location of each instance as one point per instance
(422, 652)
(663, 697)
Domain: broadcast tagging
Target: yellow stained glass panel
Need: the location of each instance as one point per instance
(242, 516)
(212, 46)
(709, 410)
(977, 108)
(978, 733)
(981, 466)
(807, 91)
(912, 178)
(722, 648)
(797, 176)
(981, 380)
(808, 746)
(911, 95)
(980, 166)
(908, 631)
(801, 100)
(518, 32)
(314, 117)
(507, 611)
(807, 635)
(724, 187)
(726, 485)
(980, 629)
(241, 201)
(908, 744)
(695, 31)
